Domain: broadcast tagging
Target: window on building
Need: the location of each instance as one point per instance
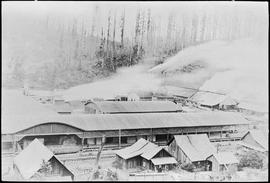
(124, 98)
(161, 137)
(124, 140)
(109, 140)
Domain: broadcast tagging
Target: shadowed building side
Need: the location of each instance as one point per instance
(73, 132)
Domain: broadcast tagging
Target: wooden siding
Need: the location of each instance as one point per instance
(162, 153)
(59, 169)
(158, 131)
(179, 155)
(215, 164)
(49, 128)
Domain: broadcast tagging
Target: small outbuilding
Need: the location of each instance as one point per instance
(256, 140)
(214, 100)
(223, 161)
(179, 93)
(192, 149)
(30, 162)
(146, 154)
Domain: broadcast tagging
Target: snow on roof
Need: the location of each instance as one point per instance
(29, 160)
(196, 147)
(137, 106)
(225, 158)
(211, 99)
(15, 123)
(260, 137)
(164, 161)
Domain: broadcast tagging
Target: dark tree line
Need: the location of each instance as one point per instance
(83, 53)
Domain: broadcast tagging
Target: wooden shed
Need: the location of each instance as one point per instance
(223, 161)
(29, 162)
(146, 154)
(214, 100)
(256, 140)
(192, 149)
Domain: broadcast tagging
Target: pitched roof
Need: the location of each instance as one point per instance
(30, 159)
(225, 158)
(195, 147)
(250, 146)
(178, 91)
(15, 123)
(126, 152)
(137, 106)
(211, 99)
(164, 161)
(149, 154)
(260, 137)
(142, 147)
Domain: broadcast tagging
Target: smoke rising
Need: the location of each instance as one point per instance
(238, 68)
(126, 80)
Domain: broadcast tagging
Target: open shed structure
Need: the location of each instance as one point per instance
(179, 94)
(214, 100)
(223, 161)
(29, 162)
(86, 131)
(146, 154)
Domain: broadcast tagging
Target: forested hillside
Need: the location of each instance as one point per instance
(49, 52)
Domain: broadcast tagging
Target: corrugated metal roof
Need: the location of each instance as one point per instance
(211, 99)
(260, 137)
(30, 159)
(145, 150)
(61, 108)
(126, 152)
(137, 106)
(196, 147)
(250, 146)
(178, 91)
(15, 123)
(142, 147)
(225, 158)
(164, 161)
(152, 152)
